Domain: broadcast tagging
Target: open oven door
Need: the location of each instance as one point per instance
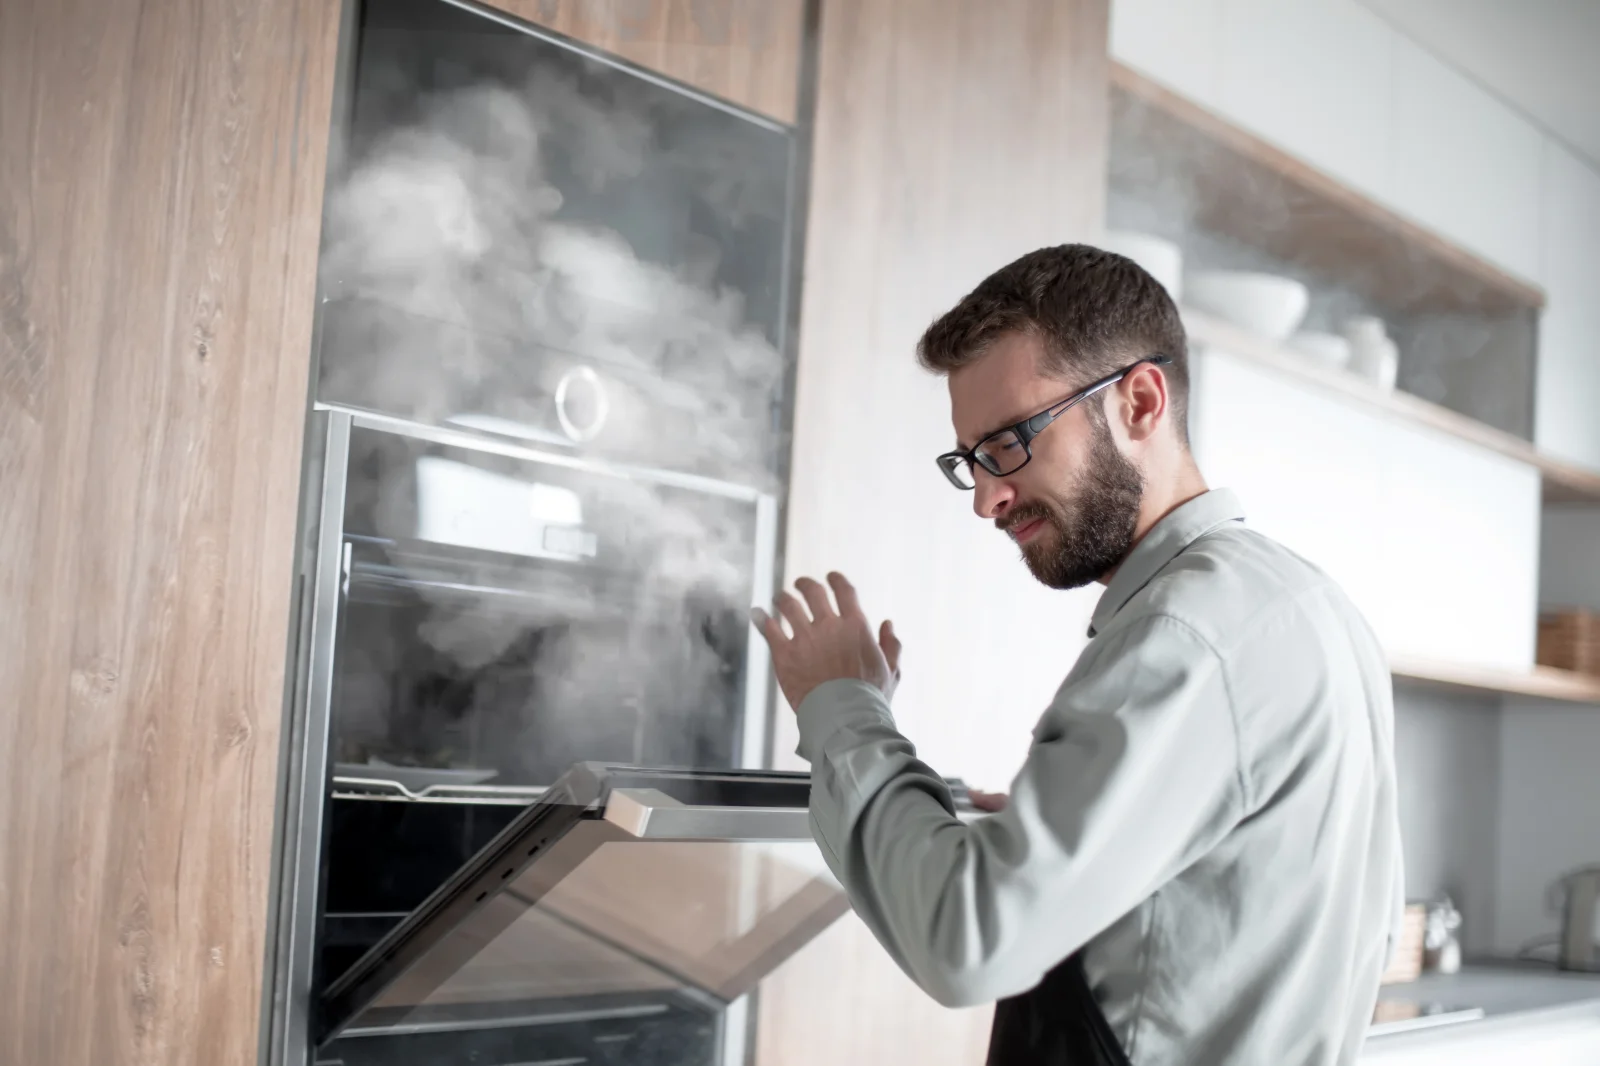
(618, 882)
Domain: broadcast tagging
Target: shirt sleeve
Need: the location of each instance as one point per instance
(1133, 773)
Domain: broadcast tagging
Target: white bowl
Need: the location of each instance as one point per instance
(1161, 259)
(1261, 303)
(1329, 349)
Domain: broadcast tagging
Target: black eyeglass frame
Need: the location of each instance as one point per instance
(1031, 427)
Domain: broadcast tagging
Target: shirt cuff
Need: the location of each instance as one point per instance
(845, 702)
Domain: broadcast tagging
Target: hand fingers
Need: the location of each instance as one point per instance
(846, 593)
(993, 802)
(890, 645)
(794, 611)
(816, 597)
(768, 626)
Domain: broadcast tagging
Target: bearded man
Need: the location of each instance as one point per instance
(1199, 860)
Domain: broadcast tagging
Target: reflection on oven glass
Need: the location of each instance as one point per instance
(638, 917)
(630, 957)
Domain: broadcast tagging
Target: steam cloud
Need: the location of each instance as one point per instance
(454, 288)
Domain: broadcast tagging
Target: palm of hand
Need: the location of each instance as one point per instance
(827, 644)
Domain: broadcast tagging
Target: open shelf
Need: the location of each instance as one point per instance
(1243, 187)
(1542, 682)
(1563, 482)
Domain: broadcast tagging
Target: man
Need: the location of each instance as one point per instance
(1199, 860)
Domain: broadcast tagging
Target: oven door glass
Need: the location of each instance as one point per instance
(619, 885)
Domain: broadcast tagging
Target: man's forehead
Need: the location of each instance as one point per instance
(1002, 387)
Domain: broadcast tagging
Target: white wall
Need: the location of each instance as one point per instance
(1447, 760)
(1336, 85)
(1550, 753)
(1569, 552)
(1549, 811)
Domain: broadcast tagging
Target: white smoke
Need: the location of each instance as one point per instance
(454, 289)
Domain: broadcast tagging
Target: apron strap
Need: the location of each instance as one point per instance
(1058, 1022)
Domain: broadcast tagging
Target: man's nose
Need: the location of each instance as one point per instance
(992, 496)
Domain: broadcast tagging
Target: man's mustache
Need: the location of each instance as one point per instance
(1021, 515)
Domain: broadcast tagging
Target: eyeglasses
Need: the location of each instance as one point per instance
(1005, 451)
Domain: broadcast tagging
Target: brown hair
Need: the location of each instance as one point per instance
(1095, 311)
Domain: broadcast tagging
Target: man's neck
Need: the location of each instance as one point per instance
(1162, 496)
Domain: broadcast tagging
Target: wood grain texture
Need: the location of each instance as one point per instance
(1563, 482)
(1543, 682)
(1240, 186)
(161, 167)
(746, 51)
(949, 138)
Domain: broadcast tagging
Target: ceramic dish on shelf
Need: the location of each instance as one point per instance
(1161, 259)
(1265, 304)
(1328, 349)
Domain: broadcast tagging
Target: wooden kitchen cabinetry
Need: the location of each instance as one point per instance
(747, 51)
(950, 138)
(161, 178)
(161, 172)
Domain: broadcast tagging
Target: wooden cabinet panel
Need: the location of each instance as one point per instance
(746, 51)
(950, 138)
(161, 167)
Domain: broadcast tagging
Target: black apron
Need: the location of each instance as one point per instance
(1055, 1023)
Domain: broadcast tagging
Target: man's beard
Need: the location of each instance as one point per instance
(1093, 529)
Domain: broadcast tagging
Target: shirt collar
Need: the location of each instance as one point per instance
(1181, 527)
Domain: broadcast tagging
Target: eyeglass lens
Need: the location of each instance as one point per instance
(1002, 454)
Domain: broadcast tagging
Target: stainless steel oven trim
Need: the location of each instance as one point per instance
(620, 64)
(645, 814)
(753, 754)
(734, 1037)
(383, 788)
(470, 440)
(561, 1018)
(290, 1039)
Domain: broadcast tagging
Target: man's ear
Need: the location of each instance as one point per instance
(1145, 397)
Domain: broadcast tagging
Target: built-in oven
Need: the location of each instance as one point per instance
(524, 815)
(487, 857)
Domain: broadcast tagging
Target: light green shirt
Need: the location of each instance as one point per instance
(1208, 805)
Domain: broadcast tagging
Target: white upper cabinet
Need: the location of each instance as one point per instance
(1460, 541)
(1171, 41)
(1331, 83)
(1465, 165)
(1433, 538)
(1314, 77)
(1567, 397)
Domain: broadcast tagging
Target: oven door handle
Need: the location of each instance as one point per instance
(649, 814)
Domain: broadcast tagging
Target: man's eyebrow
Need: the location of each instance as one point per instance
(962, 446)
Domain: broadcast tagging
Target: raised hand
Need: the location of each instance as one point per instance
(825, 643)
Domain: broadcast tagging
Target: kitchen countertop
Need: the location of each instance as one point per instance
(1499, 988)
(1488, 1001)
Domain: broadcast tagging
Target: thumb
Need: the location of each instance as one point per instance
(890, 645)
